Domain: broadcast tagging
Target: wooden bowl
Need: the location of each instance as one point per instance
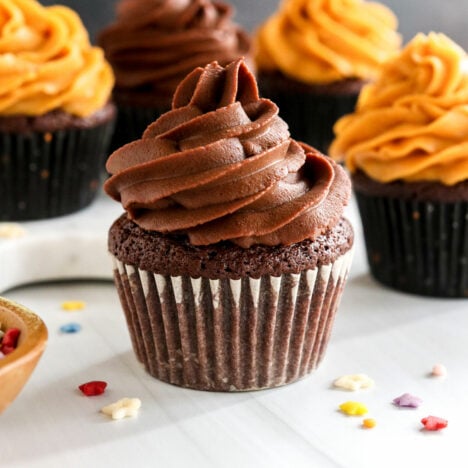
(17, 367)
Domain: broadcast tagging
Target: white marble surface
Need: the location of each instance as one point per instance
(68, 247)
(394, 338)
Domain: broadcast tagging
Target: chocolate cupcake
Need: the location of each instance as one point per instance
(406, 147)
(314, 57)
(154, 44)
(55, 117)
(232, 255)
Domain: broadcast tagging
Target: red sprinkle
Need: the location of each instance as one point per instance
(93, 388)
(433, 423)
(10, 340)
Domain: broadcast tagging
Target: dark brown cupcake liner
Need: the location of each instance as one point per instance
(418, 247)
(132, 122)
(44, 175)
(311, 116)
(231, 335)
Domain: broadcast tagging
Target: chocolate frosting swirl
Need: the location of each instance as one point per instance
(221, 166)
(154, 44)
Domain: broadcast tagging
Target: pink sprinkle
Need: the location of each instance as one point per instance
(1, 355)
(439, 370)
(407, 401)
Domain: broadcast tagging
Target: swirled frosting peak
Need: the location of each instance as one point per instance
(412, 124)
(48, 63)
(221, 166)
(154, 44)
(321, 41)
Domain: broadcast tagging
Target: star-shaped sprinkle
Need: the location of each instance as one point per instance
(353, 408)
(354, 382)
(124, 408)
(433, 423)
(407, 401)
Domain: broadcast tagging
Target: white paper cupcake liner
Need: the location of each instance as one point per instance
(231, 335)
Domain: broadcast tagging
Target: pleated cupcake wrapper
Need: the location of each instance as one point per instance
(311, 116)
(132, 122)
(44, 175)
(231, 335)
(417, 247)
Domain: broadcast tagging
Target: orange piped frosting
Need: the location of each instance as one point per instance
(322, 41)
(48, 63)
(412, 124)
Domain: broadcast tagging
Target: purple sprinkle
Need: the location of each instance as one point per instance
(407, 401)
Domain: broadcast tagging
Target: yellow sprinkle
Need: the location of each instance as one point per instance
(369, 423)
(353, 408)
(73, 305)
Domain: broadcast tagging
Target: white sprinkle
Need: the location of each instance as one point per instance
(354, 382)
(126, 407)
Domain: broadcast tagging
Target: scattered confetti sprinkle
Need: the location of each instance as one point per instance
(93, 388)
(407, 401)
(353, 408)
(369, 423)
(71, 306)
(9, 340)
(11, 231)
(439, 370)
(126, 407)
(71, 327)
(354, 382)
(433, 423)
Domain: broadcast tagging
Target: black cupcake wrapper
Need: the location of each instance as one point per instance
(132, 122)
(44, 175)
(415, 246)
(231, 335)
(310, 117)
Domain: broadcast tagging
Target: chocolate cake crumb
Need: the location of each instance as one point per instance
(55, 120)
(418, 191)
(169, 254)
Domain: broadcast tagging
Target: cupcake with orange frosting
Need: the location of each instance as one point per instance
(55, 115)
(406, 147)
(232, 253)
(314, 56)
(154, 44)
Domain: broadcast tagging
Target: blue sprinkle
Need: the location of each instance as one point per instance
(70, 328)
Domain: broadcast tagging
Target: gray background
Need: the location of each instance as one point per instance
(448, 16)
